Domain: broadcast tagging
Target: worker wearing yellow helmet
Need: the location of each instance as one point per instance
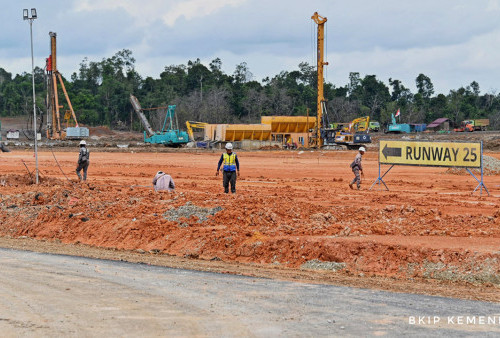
(357, 169)
(230, 170)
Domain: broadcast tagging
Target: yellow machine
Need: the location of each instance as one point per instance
(359, 125)
(192, 124)
(357, 131)
(54, 130)
(351, 137)
(320, 21)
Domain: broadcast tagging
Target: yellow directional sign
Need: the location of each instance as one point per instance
(423, 153)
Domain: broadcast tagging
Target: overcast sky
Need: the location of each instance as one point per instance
(454, 42)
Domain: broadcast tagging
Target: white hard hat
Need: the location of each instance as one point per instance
(229, 146)
(159, 173)
(362, 149)
(82, 142)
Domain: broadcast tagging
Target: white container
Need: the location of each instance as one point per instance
(13, 135)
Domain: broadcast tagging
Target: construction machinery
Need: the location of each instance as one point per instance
(464, 126)
(397, 128)
(374, 126)
(320, 104)
(357, 132)
(359, 125)
(473, 125)
(52, 76)
(349, 137)
(197, 125)
(168, 137)
(206, 143)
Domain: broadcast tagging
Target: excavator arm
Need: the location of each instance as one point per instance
(360, 124)
(192, 124)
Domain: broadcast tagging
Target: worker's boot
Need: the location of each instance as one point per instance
(350, 185)
(79, 176)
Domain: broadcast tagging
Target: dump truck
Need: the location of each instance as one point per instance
(473, 125)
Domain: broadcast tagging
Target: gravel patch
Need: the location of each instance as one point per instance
(316, 264)
(188, 210)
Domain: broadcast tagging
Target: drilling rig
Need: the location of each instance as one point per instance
(357, 133)
(320, 105)
(54, 129)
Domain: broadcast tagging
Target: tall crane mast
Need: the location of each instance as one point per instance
(320, 21)
(54, 130)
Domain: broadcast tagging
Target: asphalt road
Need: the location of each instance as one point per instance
(56, 295)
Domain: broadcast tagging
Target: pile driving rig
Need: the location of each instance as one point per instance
(54, 129)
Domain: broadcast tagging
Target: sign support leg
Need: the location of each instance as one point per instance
(380, 178)
(481, 182)
(481, 185)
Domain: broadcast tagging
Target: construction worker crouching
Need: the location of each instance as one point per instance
(162, 182)
(83, 160)
(357, 169)
(231, 166)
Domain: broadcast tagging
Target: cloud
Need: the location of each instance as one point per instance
(493, 6)
(361, 25)
(197, 8)
(448, 66)
(451, 41)
(169, 11)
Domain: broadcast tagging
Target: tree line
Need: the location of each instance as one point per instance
(100, 91)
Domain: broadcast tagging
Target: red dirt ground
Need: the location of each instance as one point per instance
(290, 208)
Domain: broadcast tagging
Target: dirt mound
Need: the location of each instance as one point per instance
(100, 131)
(16, 180)
(104, 133)
(492, 143)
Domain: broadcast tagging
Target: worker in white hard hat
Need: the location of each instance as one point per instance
(163, 182)
(230, 170)
(83, 160)
(357, 169)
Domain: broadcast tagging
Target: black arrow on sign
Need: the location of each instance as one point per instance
(387, 151)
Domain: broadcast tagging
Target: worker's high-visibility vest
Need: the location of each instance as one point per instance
(229, 162)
